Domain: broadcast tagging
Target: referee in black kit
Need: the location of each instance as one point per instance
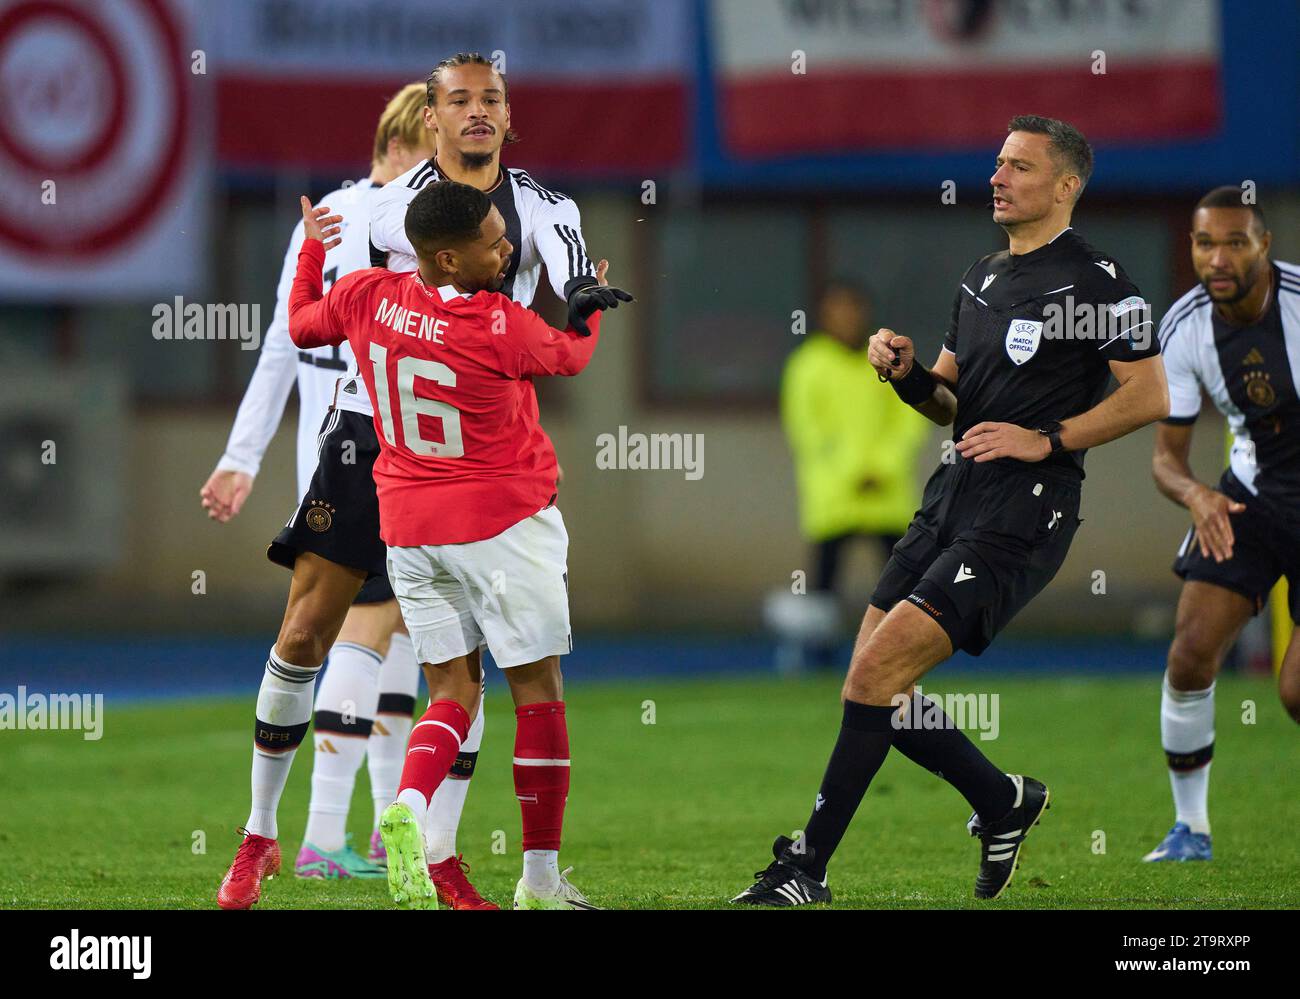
(1036, 332)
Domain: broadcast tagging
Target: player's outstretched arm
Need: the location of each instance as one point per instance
(563, 250)
(311, 323)
(532, 347)
(930, 391)
(585, 299)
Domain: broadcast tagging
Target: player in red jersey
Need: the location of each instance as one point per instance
(466, 478)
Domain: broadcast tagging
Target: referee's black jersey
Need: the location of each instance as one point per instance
(1034, 334)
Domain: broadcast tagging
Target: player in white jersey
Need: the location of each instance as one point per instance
(333, 541)
(281, 365)
(1236, 336)
(372, 663)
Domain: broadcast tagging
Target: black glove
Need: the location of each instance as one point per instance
(584, 299)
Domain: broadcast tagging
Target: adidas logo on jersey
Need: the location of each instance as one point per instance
(1254, 357)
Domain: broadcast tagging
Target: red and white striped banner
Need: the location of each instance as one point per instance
(595, 87)
(810, 76)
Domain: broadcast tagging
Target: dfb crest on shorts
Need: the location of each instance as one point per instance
(1023, 338)
(320, 517)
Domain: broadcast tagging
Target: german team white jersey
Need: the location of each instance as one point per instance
(543, 226)
(1251, 374)
(280, 363)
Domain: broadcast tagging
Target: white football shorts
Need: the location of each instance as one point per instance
(510, 592)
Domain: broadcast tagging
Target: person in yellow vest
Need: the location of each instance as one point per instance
(855, 448)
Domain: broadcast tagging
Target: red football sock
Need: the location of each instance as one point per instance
(435, 741)
(541, 772)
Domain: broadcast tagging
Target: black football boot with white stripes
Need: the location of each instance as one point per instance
(1000, 841)
(784, 883)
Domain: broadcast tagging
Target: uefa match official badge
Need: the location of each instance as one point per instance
(320, 516)
(1023, 338)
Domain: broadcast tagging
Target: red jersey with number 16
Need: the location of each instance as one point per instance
(462, 454)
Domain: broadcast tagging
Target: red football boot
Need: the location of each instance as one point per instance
(454, 889)
(257, 858)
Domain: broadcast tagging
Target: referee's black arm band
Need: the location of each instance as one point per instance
(916, 386)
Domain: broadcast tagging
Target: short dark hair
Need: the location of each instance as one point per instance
(1067, 144)
(446, 213)
(1229, 196)
(467, 59)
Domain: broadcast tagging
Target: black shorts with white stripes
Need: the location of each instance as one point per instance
(338, 519)
(987, 539)
(1265, 547)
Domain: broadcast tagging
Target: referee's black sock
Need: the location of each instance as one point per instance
(865, 735)
(930, 739)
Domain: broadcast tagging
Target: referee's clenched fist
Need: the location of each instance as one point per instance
(890, 354)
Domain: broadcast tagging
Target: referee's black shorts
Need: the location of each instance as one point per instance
(1265, 546)
(987, 539)
(339, 517)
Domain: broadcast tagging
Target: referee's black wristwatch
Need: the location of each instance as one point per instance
(1052, 431)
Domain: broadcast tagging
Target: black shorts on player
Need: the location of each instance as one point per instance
(986, 540)
(1265, 547)
(339, 517)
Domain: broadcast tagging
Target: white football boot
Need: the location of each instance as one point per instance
(564, 897)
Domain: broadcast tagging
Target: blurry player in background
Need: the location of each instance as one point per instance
(854, 447)
(1237, 336)
(477, 550)
(365, 703)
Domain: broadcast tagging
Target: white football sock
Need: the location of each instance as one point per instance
(1191, 798)
(417, 802)
(542, 871)
(283, 714)
(1187, 732)
(345, 712)
(399, 679)
(448, 803)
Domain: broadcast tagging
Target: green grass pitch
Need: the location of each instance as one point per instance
(678, 813)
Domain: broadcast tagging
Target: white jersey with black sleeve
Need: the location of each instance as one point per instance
(543, 226)
(1252, 375)
(280, 364)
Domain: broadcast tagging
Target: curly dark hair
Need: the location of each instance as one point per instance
(445, 213)
(467, 59)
